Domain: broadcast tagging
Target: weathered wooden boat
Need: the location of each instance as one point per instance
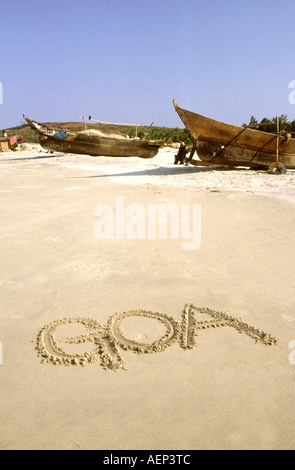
(93, 142)
(221, 144)
(9, 143)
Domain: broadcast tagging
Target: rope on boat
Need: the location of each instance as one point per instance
(114, 123)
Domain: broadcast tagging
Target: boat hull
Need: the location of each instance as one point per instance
(9, 143)
(226, 144)
(102, 147)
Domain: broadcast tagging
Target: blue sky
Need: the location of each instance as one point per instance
(125, 60)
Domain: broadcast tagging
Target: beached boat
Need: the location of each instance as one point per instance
(93, 142)
(9, 143)
(218, 143)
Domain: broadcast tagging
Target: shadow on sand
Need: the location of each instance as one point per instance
(163, 171)
(37, 157)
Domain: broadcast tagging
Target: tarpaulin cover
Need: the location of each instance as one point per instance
(13, 140)
(61, 134)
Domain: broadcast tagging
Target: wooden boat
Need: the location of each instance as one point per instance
(218, 143)
(9, 143)
(93, 142)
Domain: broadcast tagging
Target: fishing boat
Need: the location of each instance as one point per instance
(221, 144)
(9, 143)
(93, 142)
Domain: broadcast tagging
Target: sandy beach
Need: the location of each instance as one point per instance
(75, 374)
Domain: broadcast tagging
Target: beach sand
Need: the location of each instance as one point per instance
(226, 390)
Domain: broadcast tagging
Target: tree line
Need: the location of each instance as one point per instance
(168, 134)
(271, 124)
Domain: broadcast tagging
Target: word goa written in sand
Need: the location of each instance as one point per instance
(292, 93)
(133, 221)
(108, 339)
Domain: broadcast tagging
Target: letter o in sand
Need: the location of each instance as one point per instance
(172, 332)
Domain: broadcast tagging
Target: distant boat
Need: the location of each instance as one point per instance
(9, 143)
(93, 142)
(218, 143)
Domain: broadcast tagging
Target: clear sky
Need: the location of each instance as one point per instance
(125, 60)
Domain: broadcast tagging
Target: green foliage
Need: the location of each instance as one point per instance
(168, 134)
(271, 124)
(23, 131)
(253, 121)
